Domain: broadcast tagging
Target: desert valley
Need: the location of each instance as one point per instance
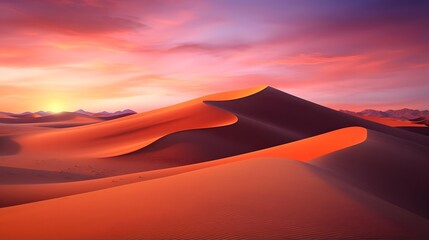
(256, 163)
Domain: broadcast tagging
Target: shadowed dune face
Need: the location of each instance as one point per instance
(274, 107)
(15, 176)
(388, 167)
(115, 116)
(8, 146)
(256, 199)
(181, 152)
(419, 130)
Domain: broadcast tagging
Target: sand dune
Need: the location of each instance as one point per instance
(391, 168)
(58, 117)
(26, 115)
(254, 199)
(303, 150)
(58, 120)
(192, 127)
(187, 133)
(133, 132)
(273, 119)
(18, 177)
(62, 119)
(13, 129)
(274, 107)
(5, 115)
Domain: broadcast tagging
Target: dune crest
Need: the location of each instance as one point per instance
(119, 137)
(126, 134)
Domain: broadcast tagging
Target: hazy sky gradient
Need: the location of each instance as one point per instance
(109, 55)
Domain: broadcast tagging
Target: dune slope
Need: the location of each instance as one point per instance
(265, 119)
(388, 167)
(260, 198)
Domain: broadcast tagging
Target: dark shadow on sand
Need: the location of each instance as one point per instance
(8, 146)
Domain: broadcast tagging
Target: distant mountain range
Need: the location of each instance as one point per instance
(403, 114)
(44, 116)
(105, 113)
(81, 111)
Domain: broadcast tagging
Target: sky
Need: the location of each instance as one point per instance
(63, 55)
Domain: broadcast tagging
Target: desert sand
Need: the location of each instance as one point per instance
(248, 164)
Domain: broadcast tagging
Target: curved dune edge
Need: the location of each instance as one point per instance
(127, 134)
(390, 168)
(317, 146)
(302, 150)
(124, 135)
(261, 198)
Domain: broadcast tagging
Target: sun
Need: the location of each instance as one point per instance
(55, 106)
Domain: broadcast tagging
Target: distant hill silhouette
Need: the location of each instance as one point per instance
(403, 114)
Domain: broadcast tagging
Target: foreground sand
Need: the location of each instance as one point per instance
(256, 198)
(250, 164)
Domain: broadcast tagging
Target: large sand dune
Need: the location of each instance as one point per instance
(133, 132)
(274, 118)
(249, 164)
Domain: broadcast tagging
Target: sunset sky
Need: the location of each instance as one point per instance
(144, 54)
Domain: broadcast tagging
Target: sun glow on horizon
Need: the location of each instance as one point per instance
(55, 105)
